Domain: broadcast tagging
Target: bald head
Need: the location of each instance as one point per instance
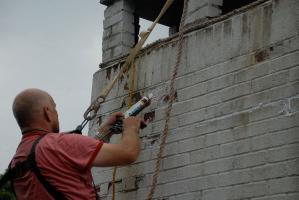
(34, 107)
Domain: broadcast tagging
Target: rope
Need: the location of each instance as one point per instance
(113, 183)
(143, 37)
(96, 104)
(132, 84)
(170, 103)
(132, 89)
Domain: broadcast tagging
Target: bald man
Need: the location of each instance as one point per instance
(64, 160)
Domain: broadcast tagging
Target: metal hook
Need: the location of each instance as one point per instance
(95, 106)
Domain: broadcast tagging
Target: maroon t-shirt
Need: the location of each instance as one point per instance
(64, 160)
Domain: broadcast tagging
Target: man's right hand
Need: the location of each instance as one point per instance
(132, 124)
(105, 127)
(126, 151)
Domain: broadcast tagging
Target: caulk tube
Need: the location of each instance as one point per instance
(133, 111)
(139, 106)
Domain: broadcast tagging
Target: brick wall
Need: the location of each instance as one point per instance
(234, 128)
(119, 31)
(201, 9)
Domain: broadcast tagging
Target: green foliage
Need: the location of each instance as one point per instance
(6, 193)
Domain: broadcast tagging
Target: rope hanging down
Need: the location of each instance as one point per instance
(92, 110)
(95, 105)
(132, 90)
(171, 100)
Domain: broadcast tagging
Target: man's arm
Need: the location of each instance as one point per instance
(125, 152)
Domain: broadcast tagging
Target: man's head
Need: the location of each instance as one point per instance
(35, 109)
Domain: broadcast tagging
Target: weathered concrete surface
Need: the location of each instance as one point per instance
(235, 123)
(119, 30)
(121, 27)
(203, 9)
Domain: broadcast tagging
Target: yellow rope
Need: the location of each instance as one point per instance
(113, 182)
(132, 84)
(143, 37)
(132, 89)
(95, 105)
(128, 62)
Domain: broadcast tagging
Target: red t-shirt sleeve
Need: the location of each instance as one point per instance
(77, 150)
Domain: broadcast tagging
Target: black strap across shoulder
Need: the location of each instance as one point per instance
(23, 167)
(50, 188)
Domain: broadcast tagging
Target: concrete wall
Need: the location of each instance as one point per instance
(119, 29)
(201, 9)
(234, 127)
(119, 24)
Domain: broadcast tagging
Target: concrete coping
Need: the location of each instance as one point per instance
(196, 25)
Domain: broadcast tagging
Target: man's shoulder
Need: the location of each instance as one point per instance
(65, 139)
(64, 135)
(75, 150)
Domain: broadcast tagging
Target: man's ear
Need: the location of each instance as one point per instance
(47, 114)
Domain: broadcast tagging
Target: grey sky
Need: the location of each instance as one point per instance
(52, 45)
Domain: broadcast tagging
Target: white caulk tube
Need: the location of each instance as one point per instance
(145, 101)
(139, 106)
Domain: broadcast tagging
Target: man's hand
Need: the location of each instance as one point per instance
(132, 124)
(127, 150)
(104, 128)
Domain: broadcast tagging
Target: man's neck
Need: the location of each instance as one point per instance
(31, 129)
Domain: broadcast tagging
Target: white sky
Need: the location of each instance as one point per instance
(52, 45)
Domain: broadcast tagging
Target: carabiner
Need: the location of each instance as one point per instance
(95, 106)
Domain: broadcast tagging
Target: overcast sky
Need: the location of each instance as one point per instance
(52, 45)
